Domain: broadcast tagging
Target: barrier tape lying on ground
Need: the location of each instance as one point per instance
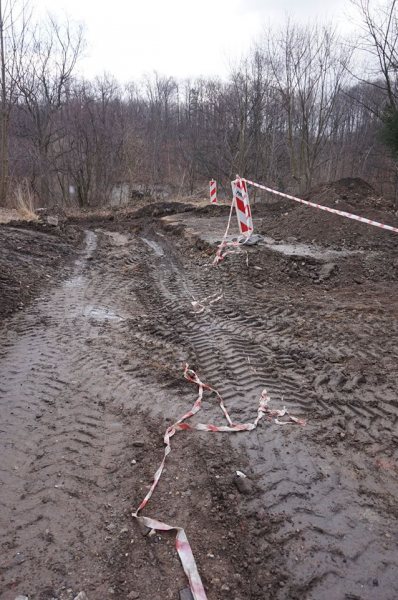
(201, 304)
(182, 545)
(225, 247)
(342, 213)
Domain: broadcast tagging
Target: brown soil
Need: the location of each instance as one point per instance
(9, 214)
(91, 376)
(31, 255)
(288, 218)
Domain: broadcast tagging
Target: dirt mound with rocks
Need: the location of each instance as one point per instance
(349, 193)
(54, 216)
(288, 219)
(217, 210)
(162, 209)
(114, 219)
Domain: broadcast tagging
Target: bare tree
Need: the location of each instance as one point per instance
(289, 114)
(309, 67)
(14, 19)
(378, 38)
(43, 84)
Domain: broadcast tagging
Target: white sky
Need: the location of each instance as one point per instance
(180, 38)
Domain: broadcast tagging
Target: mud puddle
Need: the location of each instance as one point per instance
(101, 314)
(90, 244)
(306, 250)
(118, 239)
(154, 246)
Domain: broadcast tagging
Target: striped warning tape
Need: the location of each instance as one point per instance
(182, 545)
(234, 247)
(201, 305)
(342, 213)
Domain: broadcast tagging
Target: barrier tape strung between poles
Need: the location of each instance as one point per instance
(335, 211)
(240, 202)
(182, 545)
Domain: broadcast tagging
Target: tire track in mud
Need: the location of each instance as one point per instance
(60, 443)
(80, 354)
(78, 382)
(336, 532)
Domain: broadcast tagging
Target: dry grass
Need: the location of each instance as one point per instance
(9, 214)
(24, 202)
(21, 205)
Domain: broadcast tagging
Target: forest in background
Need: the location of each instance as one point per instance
(306, 106)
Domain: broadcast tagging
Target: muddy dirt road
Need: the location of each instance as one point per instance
(91, 376)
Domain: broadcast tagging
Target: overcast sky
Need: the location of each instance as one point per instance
(182, 38)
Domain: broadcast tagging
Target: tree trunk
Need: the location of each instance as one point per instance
(4, 116)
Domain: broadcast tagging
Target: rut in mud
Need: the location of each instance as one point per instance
(91, 378)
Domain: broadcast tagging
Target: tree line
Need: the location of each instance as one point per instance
(306, 106)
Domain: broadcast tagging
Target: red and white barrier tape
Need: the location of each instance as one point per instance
(182, 545)
(342, 213)
(241, 199)
(235, 247)
(201, 304)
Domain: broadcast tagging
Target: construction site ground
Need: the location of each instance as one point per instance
(96, 325)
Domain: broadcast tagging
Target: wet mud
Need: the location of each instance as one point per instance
(91, 376)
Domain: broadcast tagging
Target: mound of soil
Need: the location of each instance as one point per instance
(54, 215)
(42, 227)
(216, 210)
(30, 256)
(350, 193)
(121, 216)
(288, 219)
(162, 209)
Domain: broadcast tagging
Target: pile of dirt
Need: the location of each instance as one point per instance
(123, 216)
(54, 216)
(287, 218)
(215, 210)
(349, 194)
(30, 256)
(162, 209)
